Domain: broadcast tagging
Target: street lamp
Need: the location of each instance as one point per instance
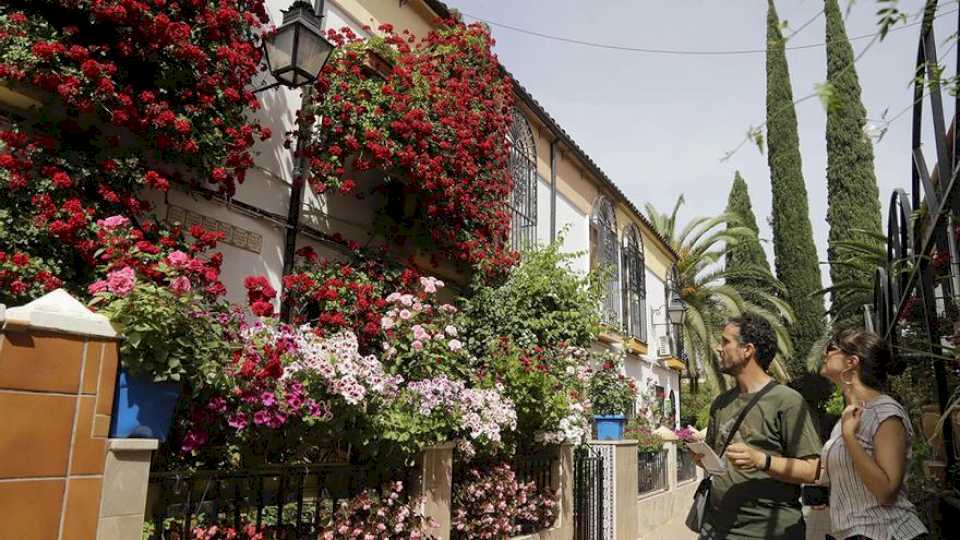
(676, 309)
(297, 50)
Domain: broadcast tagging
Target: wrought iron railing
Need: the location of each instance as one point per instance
(588, 492)
(295, 499)
(536, 468)
(686, 468)
(651, 471)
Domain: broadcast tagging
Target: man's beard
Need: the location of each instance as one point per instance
(728, 368)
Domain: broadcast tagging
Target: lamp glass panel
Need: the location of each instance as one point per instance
(313, 51)
(280, 48)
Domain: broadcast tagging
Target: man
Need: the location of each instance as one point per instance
(776, 443)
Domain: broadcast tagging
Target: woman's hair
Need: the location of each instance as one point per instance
(877, 361)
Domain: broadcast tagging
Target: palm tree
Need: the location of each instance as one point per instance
(702, 246)
(864, 255)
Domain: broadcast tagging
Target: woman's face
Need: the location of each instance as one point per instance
(835, 362)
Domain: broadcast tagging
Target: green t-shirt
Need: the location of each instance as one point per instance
(752, 504)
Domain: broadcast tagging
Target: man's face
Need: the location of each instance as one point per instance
(731, 351)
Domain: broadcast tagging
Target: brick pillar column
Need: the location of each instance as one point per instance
(58, 364)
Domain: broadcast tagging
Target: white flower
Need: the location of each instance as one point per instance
(451, 330)
(455, 344)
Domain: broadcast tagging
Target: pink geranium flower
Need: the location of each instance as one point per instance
(113, 222)
(120, 282)
(180, 286)
(178, 259)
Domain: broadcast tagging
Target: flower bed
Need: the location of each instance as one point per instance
(492, 503)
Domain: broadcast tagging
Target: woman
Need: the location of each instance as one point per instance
(866, 458)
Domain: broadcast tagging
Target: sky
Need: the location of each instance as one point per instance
(659, 124)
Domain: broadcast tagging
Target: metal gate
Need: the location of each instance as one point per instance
(587, 494)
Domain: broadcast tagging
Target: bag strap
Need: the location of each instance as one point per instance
(743, 414)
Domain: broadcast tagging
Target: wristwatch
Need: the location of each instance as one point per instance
(766, 463)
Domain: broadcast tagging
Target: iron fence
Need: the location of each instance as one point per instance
(294, 500)
(651, 471)
(587, 494)
(686, 468)
(536, 468)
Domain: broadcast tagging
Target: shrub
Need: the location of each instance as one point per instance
(638, 428)
(542, 302)
(493, 504)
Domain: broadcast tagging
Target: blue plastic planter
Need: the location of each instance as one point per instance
(143, 409)
(610, 428)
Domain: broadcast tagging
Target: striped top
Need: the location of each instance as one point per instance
(853, 509)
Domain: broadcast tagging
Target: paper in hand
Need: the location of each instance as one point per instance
(711, 461)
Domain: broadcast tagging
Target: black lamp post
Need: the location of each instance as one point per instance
(297, 50)
(295, 54)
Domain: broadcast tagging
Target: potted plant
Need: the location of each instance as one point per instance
(612, 394)
(176, 328)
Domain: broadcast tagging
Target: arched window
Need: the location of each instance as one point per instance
(634, 285)
(523, 170)
(603, 254)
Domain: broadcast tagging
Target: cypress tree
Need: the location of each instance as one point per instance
(852, 194)
(794, 249)
(747, 255)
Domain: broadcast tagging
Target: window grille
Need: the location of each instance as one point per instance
(604, 255)
(523, 171)
(634, 285)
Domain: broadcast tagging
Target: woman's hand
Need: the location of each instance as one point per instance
(850, 420)
(745, 458)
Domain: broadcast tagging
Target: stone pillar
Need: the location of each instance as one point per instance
(623, 487)
(58, 364)
(562, 482)
(126, 477)
(436, 487)
(672, 462)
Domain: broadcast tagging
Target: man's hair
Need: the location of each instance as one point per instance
(757, 330)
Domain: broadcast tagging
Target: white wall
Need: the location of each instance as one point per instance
(577, 236)
(543, 210)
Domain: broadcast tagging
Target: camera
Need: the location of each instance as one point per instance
(815, 495)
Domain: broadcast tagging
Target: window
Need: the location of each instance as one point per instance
(603, 255)
(634, 285)
(523, 171)
(670, 411)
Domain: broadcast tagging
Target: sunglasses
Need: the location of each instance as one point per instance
(833, 347)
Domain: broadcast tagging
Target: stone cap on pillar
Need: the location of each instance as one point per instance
(57, 311)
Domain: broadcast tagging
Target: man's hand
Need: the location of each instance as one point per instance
(697, 458)
(745, 457)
